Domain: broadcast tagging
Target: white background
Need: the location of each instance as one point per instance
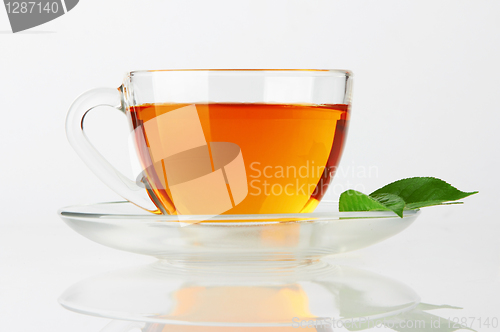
(426, 103)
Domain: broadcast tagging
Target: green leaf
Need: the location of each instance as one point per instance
(418, 192)
(352, 200)
(391, 201)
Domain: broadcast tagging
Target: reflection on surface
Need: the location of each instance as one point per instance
(251, 297)
(417, 319)
(261, 303)
(414, 320)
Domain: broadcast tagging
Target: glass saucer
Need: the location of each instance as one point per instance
(249, 237)
(210, 295)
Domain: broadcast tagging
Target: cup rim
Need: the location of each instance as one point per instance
(343, 72)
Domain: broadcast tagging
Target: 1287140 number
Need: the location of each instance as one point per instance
(31, 7)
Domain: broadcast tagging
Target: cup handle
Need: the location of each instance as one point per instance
(122, 185)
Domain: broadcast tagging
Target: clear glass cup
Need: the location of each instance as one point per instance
(213, 142)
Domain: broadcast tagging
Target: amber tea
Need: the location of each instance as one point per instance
(238, 158)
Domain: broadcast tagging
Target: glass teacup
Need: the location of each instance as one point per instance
(215, 142)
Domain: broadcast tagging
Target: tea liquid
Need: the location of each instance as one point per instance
(289, 154)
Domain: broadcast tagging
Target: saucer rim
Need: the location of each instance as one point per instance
(227, 219)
